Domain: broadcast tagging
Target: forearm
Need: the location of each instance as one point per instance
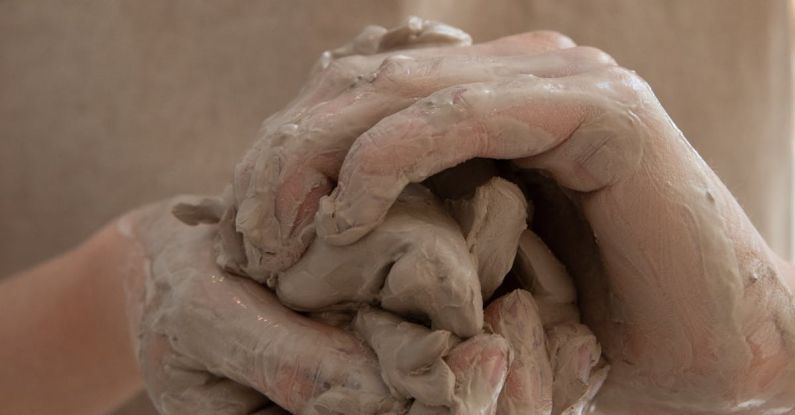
(66, 345)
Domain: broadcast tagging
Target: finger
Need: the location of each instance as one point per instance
(492, 220)
(579, 371)
(480, 365)
(214, 396)
(177, 385)
(236, 329)
(341, 401)
(279, 182)
(354, 59)
(461, 181)
(528, 387)
(410, 356)
(332, 75)
(589, 119)
(293, 376)
(417, 263)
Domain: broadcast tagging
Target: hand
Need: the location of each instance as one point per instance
(298, 155)
(210, 342)
(186, 374)
(689, 303)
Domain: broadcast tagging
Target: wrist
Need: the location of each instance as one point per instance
(110, 262)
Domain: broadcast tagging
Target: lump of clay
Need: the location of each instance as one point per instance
(410, 356)
(413, 32)
(492, 221)
(390, 267)
(443, 375)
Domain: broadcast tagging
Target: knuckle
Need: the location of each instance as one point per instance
(394, 71)
(627, 78)
(592, 55)
(542, 40)
(627, 86)
(456, 101)
(343, 69)
(601, 158)
(553, 38)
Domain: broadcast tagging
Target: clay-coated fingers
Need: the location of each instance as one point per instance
(234, 328)
(291, 359)
(410, 356)
(583, 128)
(492, 220)
(343, 401)
(178, 385)
(579, 371)
(280, 181)
(480, 365)
(528, 387)
(417, 263)
(339, 69)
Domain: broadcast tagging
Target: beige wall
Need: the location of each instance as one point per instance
(107, 105)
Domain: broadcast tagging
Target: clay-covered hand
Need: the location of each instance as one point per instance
(299, 151)
(691, 307)
(214, 343)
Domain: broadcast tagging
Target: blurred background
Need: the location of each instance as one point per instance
(107, 105)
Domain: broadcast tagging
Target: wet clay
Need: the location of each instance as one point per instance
(474, 241)
(492, 221)
(411, 356)
(391, 268)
